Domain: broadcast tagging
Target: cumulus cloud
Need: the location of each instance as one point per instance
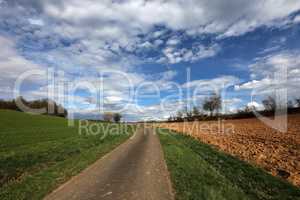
(122, 22)
(228, 18)
(268, 73)
(254, 104)
(215, 83)
(173, 41)
(37, 22)
(231, 105)
(12, 65)
(174, 55)
(89, 37)
(117, 25)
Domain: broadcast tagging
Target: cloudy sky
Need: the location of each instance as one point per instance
(148, 58)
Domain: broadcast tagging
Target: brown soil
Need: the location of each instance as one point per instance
(252, 141)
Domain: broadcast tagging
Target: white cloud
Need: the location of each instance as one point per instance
(231, 105)
(268, 65)
(117, 25)
(173, 41)
(268, 73)
(228, 18)
(169, 75)
(212, 84)
(255, 84)
(113, 99)
(158, 42)
(12, 64)
(38, 22)
(198, 52)
(297, 19)
(99, 32)
(257, 106)
(146, 45)
(157, 34)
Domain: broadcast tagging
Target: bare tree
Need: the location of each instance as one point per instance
(196, 111)
(290, 104)
(179, 116)
(212, 104)
(188, 114)
(246, 110)
(108, 117)
(297, 102)
(269, 103)
(117, 117)
(250, 108)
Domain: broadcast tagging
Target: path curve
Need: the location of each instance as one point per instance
(135, 170)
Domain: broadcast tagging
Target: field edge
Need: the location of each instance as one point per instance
(199, 171)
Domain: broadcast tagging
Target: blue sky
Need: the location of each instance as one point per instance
(155, 57)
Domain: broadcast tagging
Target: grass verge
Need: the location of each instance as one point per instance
(38, 153)
(198, 171)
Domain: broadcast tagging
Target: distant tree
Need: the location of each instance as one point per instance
(246, 110)
(108, 116)
(188, 114)
(117, 117)
(61, 111)
(269, 103)
(8, 104)
(207, 105)
(249, 109)
(196, 111)
(19, 101)
(170, 119)
(212, 104)
(32, 106)
(290, 104)
(297, 102)
(179, 116)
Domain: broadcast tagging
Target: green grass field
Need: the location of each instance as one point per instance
(38, 153)
(199, 171)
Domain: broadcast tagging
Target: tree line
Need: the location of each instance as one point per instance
(211, 106)
(49, 107)
(112, 117)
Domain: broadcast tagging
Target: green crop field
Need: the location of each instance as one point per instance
(199, 171)
(37, 153)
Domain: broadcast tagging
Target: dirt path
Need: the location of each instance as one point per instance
(135, 170)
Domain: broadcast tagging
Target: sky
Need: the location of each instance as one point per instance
(148, 59)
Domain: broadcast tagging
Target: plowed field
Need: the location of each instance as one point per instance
(252, 141)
